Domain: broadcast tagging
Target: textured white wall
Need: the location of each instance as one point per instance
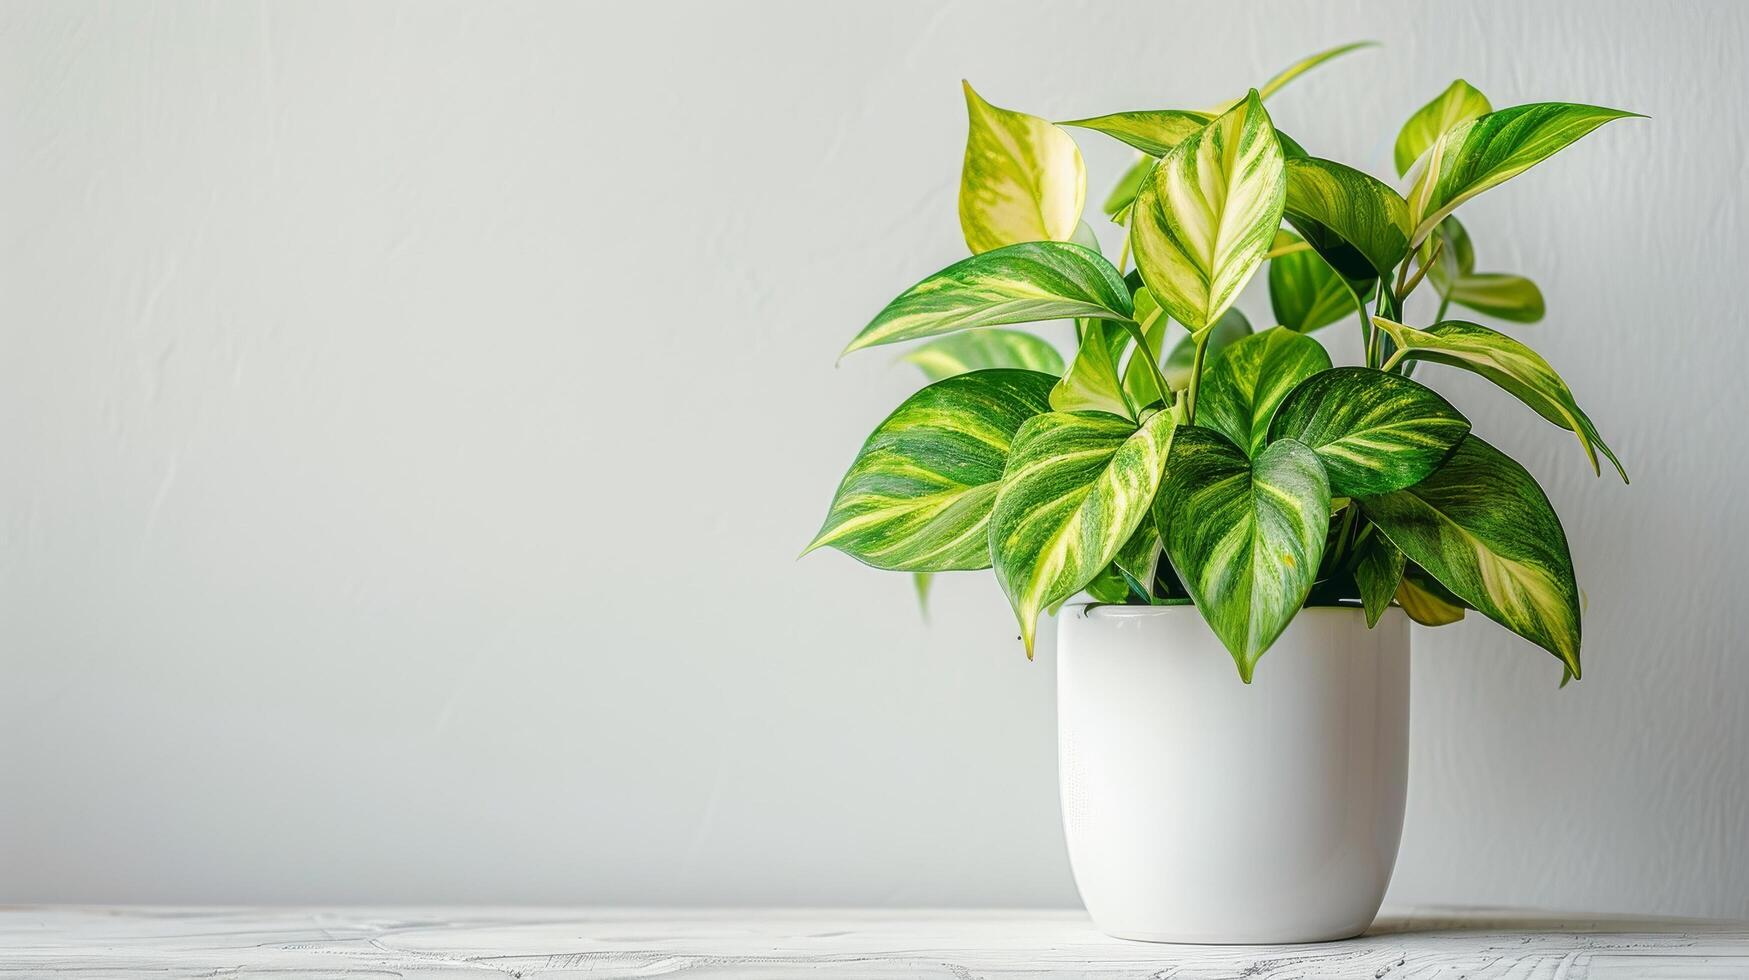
(411, 414)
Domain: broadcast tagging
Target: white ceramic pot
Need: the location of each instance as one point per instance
(1200, 809)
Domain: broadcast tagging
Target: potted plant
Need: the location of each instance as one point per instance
(1219, 489)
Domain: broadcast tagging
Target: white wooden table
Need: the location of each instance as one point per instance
(529, 943)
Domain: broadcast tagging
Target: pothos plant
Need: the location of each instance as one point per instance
(1182, 456)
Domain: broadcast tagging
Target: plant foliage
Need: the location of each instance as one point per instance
(1177, 455)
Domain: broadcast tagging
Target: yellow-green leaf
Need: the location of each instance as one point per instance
(978, 350)
(1454, 275)
(1485, 530)
(1023, 179)
(1021, 283)
(1486, 151)
(1509, 364)
(1076, 486)
(1092, 382)
(1207, 214)
(919, 494)
(1459, 103)
(1426, 601)
(1245, 535)
(1498, 294)
(1242, 387)
(1117, 204)
(1153, 131)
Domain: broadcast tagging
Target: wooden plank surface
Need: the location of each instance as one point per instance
(603, 943)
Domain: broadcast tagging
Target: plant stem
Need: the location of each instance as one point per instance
(1202, 344)
(1444, 304)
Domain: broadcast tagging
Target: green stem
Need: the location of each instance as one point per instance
(1202, 344)
(1444, 304)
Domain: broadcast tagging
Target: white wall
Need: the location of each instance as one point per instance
(411, 414)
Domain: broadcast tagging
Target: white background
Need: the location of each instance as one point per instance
(411, 415)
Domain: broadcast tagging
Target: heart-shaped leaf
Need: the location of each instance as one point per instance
(918, 496)
(1245, 535)
(1374, 432)
(1509, 364)
(1486, 151)
(1023, 179)
(1482, 527)
(1306, 294)
(1378, 570)
(1076, 486)
(978, 350)
(1153, 131)
(1459, 103)
(1355, 221)
(1021, 283)
(1243, 385)
(1092, 382)
(1207, 214)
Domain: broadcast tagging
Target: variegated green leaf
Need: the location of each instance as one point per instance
(1092, 383)
(1426, 601)
(1509, 364)
(1305, 293)
(1023, 179)
(1242, 387)
(1306, 64)
(1231, 328)
(1374, 432)
(1378, 570)
(1459, 103)
(919, 494)
(1076, 486)
(1021, 283)
(1482, 527)
(1498, 294)
(978, 350)
(1207, 214)
(1153, 131)
(1245, 535)
(1355, 221)
(1491, 149)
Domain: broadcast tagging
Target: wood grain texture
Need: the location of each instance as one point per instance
(527, 943)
